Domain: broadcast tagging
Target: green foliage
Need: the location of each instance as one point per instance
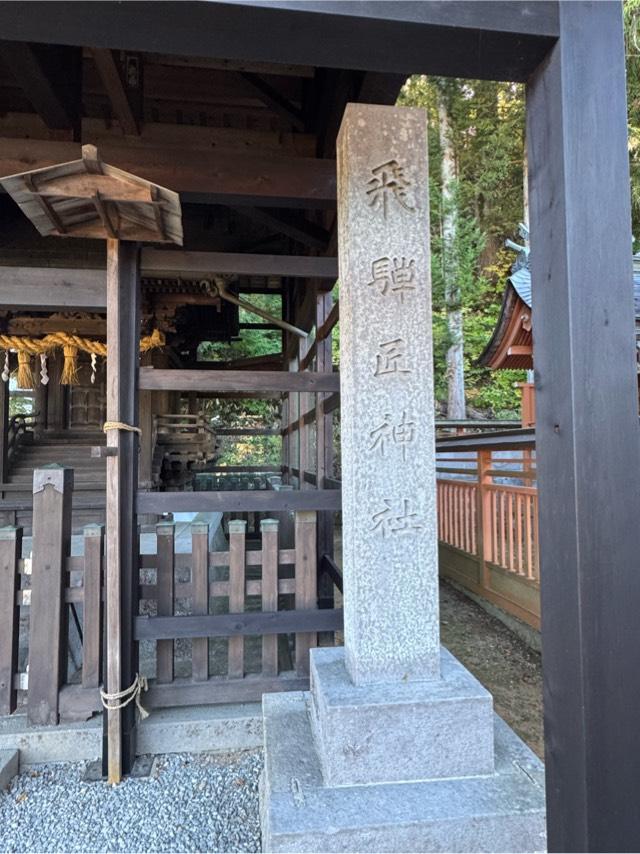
(487, 135)
(631, 10)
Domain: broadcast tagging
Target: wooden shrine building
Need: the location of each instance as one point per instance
(235, 107)
(511, 344)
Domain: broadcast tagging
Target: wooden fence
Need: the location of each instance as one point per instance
(212, 626)
(488, 527)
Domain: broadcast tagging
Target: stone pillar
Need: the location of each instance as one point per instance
(386, 385)
(393, 748)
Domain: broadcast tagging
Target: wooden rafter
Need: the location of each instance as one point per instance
(49, 78)
(274, 100)
(111, 77)
(292, 225)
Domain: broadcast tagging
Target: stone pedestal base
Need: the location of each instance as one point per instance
(501, 809)
(399, 732)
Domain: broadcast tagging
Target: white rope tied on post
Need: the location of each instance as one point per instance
(119, 699)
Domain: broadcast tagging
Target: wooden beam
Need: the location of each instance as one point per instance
(247, 431)
(53, 288)
(268, 501)
(49, 76)
(211, 177)
(495, 40)
(237, 625)
(111, 77)
(273, 99)
(295, 226)
(587, 449)
(166, 379)
(159, 262)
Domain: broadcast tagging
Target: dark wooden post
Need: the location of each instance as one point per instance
(269, 530)
(165, 587)
(52, 488)
(588, 453)
(92, 606)
(145, 469)
(10, 554)
(4, 432)
(123, 335)
(306, 583)
(200, 581)
(324, 448)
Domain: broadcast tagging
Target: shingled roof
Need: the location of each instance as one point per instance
(516, 316)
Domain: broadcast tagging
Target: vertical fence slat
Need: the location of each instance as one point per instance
(306, 573)
(536, 549)
(200, 585)
(528, 535)
(92, 606)
(510, 562)
(10, 553)
(269, 529)
(165, 596)
(52, 489)
(519, 503)
(237, 540)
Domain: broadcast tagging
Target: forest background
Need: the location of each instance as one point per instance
(477, 176)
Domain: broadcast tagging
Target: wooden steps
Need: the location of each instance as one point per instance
(65, 448)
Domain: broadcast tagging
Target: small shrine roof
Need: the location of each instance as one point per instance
(90, 198)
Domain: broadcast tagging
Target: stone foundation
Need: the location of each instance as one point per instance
(501, 810)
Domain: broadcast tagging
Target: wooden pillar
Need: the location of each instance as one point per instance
(4, 432)
(145, 473)
(52, 488)
(41, 397)
(123, 334)
(56, 394)
(303, 427)
(587, 448)
(10, 554)
(324, 448)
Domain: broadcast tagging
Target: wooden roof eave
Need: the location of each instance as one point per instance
(510, 332)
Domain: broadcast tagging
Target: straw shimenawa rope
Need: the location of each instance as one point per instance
(120, 425)
(27, 347)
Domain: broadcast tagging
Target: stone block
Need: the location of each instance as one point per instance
(503, 811)
(399, 732)
(9, 766)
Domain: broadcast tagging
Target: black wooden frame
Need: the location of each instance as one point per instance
(587, 430)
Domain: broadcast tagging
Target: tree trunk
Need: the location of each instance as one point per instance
(452, 294)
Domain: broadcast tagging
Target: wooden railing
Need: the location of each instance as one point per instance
(19, 426)
(488, 526)
(251, 610)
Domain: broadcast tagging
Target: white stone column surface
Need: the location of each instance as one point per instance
(387, 412)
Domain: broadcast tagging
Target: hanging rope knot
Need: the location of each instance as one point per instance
(25, 374)
(70, 365)
(120, 425)
(119, 699)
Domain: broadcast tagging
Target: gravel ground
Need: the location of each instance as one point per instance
(209, 802)
(199, 802)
